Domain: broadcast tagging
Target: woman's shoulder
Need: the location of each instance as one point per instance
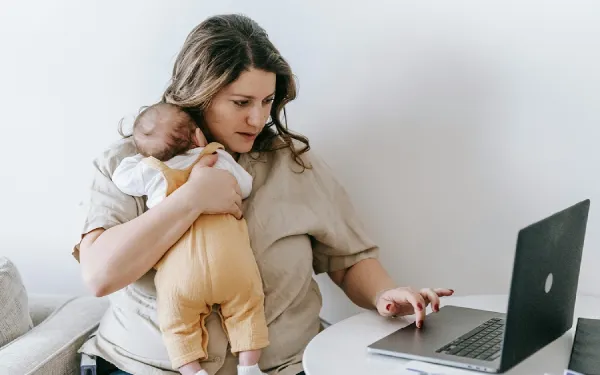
(300, 160)
(308, 172)
(110, 158)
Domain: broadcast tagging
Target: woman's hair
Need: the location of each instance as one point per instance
(213, 56)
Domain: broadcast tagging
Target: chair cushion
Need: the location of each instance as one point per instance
(14, 307)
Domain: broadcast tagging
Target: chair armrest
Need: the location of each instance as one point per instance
(41, 306)
(51, 347)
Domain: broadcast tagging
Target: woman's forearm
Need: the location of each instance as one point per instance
(363, 281)
(114, 258)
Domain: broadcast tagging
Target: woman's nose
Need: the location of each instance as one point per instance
(255, 117)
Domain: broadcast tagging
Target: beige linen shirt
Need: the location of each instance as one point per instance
(298, 223)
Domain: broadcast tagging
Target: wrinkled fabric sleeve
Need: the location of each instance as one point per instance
(340, 240)
(107, 206)
(129, 177)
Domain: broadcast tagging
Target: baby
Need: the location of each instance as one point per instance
(212, 263)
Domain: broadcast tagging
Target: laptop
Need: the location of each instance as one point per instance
(540, 307)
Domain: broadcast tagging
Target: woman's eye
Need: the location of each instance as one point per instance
(269, 101)
(241, 103)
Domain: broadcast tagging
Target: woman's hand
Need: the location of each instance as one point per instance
(219, 190)
(406, 301)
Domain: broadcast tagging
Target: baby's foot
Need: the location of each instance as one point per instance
(250, 370)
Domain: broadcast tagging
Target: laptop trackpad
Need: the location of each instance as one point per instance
(439, 329)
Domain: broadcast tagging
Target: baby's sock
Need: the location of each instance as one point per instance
(202, 372)
(250, 370)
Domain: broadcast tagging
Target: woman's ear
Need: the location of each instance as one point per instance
(199, 138)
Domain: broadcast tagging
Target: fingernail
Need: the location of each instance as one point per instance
(452, 290)
(436, 307)
(419, 306)
(419, 324)
(388, 307)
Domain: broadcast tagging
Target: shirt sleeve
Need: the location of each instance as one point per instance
(340, 240)
(129, 176)
(244, 179)
(107, 205)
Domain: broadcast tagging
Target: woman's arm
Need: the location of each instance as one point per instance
(342, 248)
(363, 281)
(369, 286)
(114, 258)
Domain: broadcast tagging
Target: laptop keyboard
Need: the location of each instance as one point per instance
(483, 342)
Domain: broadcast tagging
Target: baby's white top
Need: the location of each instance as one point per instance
(136, 178)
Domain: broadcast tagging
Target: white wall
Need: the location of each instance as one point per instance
(464, 120)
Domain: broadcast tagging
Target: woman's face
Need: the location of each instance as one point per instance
(239, 111)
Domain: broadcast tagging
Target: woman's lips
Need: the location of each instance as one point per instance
(249, 136)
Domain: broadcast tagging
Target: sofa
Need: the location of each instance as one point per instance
(41, 333)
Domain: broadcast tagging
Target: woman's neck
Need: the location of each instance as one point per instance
(234, 155)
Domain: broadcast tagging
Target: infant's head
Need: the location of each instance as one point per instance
(164, 130)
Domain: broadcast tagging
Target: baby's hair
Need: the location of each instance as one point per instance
(176, 125)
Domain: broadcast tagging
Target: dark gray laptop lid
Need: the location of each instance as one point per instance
(544, 283)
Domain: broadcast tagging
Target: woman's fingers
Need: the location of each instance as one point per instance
(419, 305)
(238, 190)
(400, 297)
(207, 160)
(237, 207)
(237, 199)
(405, 301)
(237, 212)
(443, 292)
(431, 296)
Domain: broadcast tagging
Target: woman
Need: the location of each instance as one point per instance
(235, 84)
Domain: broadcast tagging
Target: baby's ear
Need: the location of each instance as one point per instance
(199, 138)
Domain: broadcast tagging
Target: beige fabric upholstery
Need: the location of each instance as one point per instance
(41, 306)
(50, 348)
(14, 307)
(41, 333)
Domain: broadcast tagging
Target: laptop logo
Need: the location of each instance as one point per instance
(549, 281)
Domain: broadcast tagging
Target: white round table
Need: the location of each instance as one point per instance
(342, 348)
